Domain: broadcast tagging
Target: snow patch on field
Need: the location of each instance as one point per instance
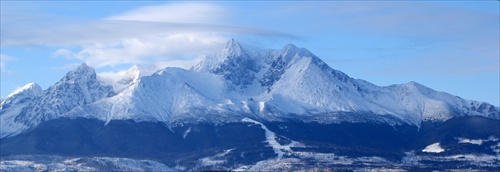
(476, 141)
(271, 140)
(433, 148)
(216, 159)
(262, 106)
(496, 148)
(481, 160)
(314, 161)
(56, 163)
(303, 162)
(284, 164)
(186, 133)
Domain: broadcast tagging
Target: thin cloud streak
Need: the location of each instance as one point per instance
(177, 13)
(105, 31)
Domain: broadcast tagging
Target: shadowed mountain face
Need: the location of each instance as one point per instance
(142, 140)
(248, 109)
(232, 145)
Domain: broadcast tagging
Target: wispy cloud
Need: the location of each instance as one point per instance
(177, 13)
(147, 49)
(3, 60)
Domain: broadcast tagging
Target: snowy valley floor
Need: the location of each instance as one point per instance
(298, 161)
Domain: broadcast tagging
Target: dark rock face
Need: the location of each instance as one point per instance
(274, 72)
(240, 70)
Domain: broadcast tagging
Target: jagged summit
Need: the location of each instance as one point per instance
(13, 106)
(233, 51)
(81, 74)
(77, 88)
(291, 50)
(248, 66)
(83, 68)
(234, 62)
(30, 89)
(22, 95)
(232, 48)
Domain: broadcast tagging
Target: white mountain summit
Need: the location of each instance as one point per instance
(79, 87)
(235, 83)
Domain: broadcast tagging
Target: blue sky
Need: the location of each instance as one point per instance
(447, 46)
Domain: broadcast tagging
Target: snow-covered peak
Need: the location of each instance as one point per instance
(82, 72)
(83, 68)
(30, 90)
(83, 80)
(236, 63)
(213, 62)
(13, 106)
(416, 85)
(290, 54)
(232, 48)
(290, 47)
(78, 87)
(291, 50)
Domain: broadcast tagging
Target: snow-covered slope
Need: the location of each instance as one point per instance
(244, 82)
(21, 95)
(79, 87)
(169, 95)
(424, 104)
(295, 81)
(13, 105)
(57, 163)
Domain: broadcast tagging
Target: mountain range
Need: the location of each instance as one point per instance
(285, 102)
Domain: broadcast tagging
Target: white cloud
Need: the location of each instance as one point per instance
(174, 34)
(63, 53)
(3, 60)
(177, 13)
(120, 79)
(180, 50)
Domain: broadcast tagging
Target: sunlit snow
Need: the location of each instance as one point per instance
(433, 148)
(281, 82)
(271, 140)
